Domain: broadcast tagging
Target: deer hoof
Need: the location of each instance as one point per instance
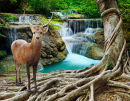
(16, 84)
(36, 91)
(20, 82)
(29, 90)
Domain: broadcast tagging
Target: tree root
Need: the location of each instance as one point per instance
(80, 85)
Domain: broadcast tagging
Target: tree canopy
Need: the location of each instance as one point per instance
(86, 7)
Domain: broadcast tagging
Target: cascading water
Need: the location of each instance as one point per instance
(11, 36)
(12, 32)
(20, 19)
(75, 35)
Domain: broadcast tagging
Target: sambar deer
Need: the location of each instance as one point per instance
(29, 53)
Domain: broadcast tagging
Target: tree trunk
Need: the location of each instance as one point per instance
(112, 72)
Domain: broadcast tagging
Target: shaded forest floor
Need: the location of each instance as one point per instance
(7, 85)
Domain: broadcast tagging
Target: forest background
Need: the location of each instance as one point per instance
(86, 7)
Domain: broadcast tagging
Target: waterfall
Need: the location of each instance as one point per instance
(12, 35)
(20, 19)
(97, 24)
(76, 34)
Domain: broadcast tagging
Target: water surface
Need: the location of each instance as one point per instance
(72, 62)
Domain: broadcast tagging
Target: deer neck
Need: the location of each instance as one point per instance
(36, 45)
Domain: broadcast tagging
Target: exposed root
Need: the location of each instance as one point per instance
(92, 92)
(124, 95)
(118, 84)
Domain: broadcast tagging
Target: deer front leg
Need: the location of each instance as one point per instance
(34, 77)
(28, 74)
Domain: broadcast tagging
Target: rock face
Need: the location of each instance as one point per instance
(96, 51)
(99, 37)
(53, 49)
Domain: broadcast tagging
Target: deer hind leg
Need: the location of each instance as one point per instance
(34, 77)
(16, 67)
(19, 73)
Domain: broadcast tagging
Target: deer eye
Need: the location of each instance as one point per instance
(33, 32)
(40, 32)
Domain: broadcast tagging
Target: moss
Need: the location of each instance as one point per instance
(2, 54)
(126, 33)
(2, 35)
(54, 25)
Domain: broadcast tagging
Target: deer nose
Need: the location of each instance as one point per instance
(37, 38)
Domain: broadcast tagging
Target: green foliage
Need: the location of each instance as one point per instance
(108, 64)
(13, 1)
(124, 6)
(53, 24)
(8, 17)
(2, 54)
(126, 33)
(89, 8)
(86, 7)
(2, 35)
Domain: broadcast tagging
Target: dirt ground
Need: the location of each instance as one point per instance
(7, 84)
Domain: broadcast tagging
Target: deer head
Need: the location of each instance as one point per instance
(38, 31)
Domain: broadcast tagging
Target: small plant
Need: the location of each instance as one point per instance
(56, 91)
(10, 78)
(13, 1)
(108, 65)
(9, 17)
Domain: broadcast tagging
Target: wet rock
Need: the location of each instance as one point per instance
(96, 51)
(99, 37)
(76, 16)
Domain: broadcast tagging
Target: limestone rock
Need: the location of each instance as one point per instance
(96, 51)
(99, 37)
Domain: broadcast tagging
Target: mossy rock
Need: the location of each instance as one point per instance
(95, 52)
(2, 54)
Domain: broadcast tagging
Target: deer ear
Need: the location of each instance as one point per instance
(45, 29)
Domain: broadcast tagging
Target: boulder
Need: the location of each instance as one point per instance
(99, 37)
(96, 51)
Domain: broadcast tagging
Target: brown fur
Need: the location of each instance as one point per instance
(28, 53)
